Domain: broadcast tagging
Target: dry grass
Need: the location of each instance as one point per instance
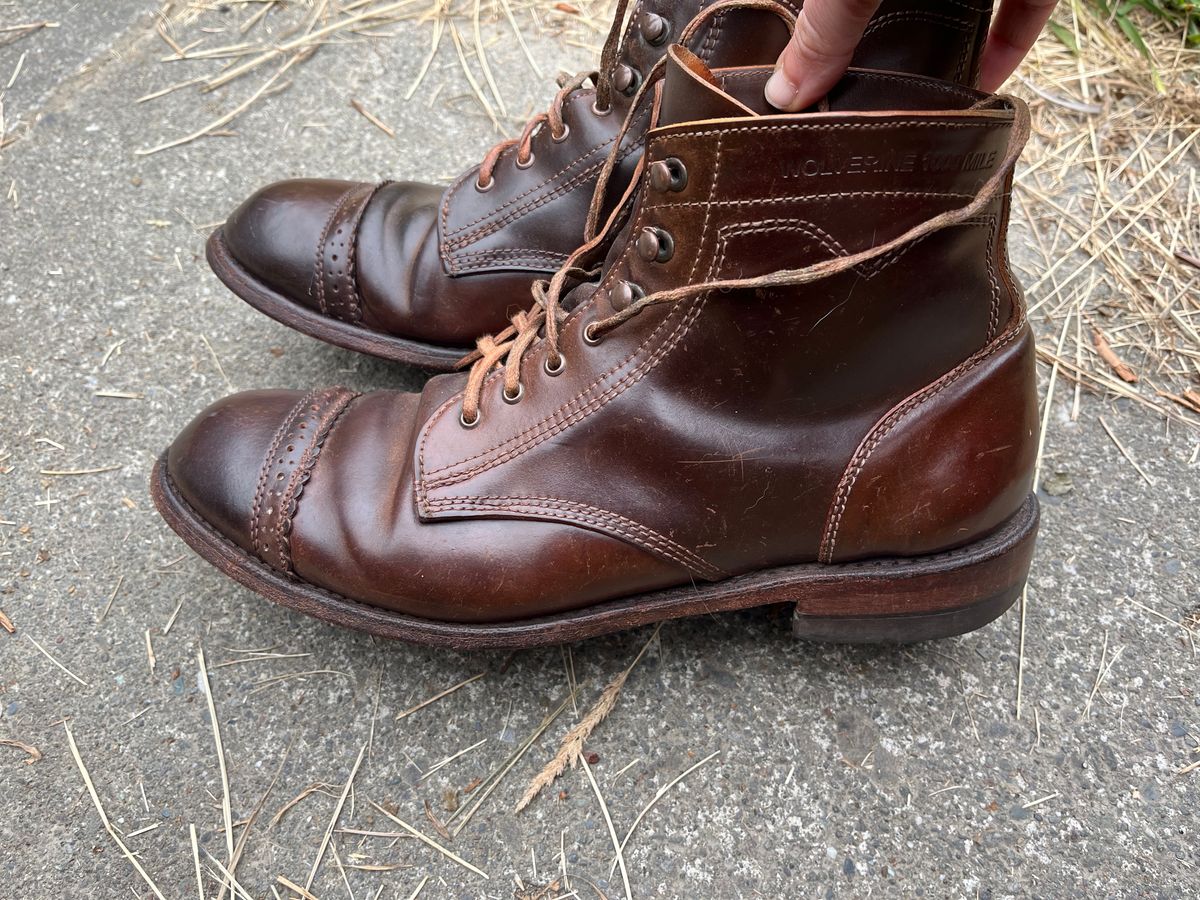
(570, 751)
(213, 45)
(1108, 198)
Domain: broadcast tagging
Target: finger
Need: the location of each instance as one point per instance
(827, 31)
(1016, 27)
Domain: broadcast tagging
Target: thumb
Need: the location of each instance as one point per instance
(827, 31)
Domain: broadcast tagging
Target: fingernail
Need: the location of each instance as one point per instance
(781, 91)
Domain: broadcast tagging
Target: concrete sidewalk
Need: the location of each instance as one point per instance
(826, 771)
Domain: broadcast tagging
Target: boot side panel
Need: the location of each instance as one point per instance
(946, 466)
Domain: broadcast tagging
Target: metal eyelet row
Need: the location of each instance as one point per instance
(589, 337)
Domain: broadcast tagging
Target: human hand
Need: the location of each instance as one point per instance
(828, 31)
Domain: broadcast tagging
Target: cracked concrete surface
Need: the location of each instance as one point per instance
(841, 772)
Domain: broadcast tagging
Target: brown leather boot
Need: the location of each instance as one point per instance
(414, 272)
(801, 373)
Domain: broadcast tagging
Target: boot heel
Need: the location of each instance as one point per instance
(903, 601)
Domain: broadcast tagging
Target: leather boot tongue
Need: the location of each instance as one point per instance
(690, 93)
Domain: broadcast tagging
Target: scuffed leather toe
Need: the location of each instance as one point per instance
(278, 234)
(216, 461)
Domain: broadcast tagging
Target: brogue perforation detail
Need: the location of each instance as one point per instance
(286, 469)
(336, 271)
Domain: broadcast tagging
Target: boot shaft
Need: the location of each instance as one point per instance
(795, 406)
(744, 196)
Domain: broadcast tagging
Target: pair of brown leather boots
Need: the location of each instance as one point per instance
(736, 358)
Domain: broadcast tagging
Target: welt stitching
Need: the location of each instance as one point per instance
(570, 511)
(218, 538)
(884, 427)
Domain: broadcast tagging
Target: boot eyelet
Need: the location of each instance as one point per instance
(555, 370)
(563, 135)
(484, 188)
(626, 79)
(589, 337)
(600, 113)
(655, 244)
(668, 175)
(515, 398)
(527, 163)
(462, 420)
(655, 29)
(624, 295)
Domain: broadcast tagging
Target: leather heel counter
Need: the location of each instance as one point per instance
(946, 466)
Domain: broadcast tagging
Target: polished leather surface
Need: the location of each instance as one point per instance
(889, 409)
(442, 266)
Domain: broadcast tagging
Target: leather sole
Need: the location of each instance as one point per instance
(883, 601)
(294, 315)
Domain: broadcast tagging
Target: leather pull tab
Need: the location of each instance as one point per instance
(690, 92)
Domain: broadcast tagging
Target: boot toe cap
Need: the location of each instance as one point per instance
(277, 235)
(217, 461)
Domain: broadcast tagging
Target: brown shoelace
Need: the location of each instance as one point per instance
(553, 117)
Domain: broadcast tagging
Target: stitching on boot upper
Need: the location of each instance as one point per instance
(573, 512)
(882, 428)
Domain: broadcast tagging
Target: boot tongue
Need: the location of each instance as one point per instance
(690, 93)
